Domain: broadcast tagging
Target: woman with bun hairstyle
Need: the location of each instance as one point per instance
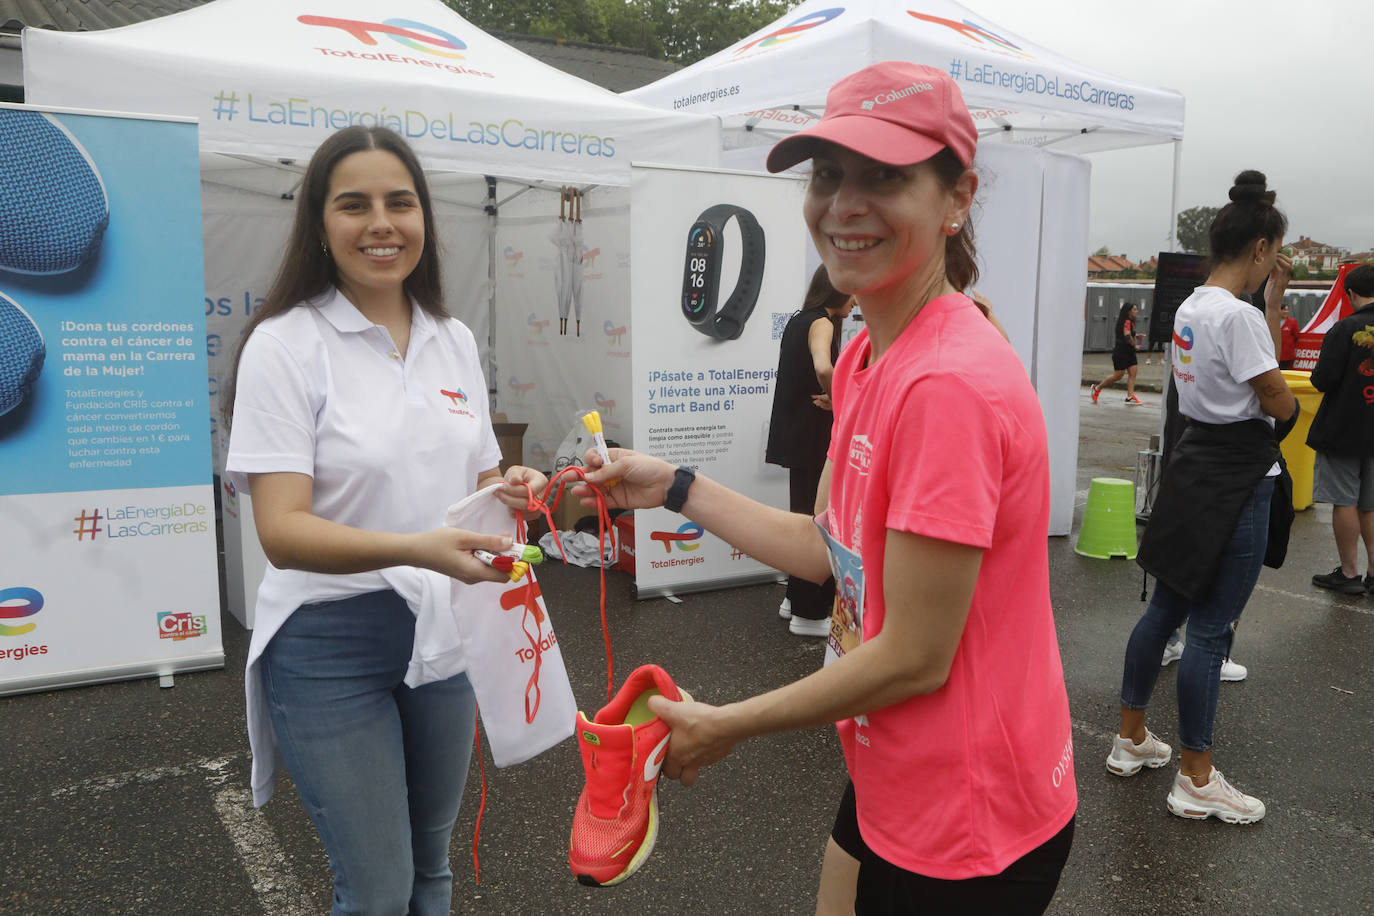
(1209, 526)
(949, 697)
(359, 416)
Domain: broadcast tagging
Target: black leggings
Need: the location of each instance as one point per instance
(1026, 886)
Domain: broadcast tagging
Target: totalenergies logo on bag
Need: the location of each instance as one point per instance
(793, 30)
(417, 36)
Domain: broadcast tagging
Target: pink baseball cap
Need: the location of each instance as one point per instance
(892, 111)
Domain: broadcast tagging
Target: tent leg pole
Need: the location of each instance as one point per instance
(491, 290)
(1173, 197)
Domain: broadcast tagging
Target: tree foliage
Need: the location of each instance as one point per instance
(1103, 252)
(678, 30)
(1193, 224)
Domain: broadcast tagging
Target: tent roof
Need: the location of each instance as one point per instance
(268, 80)
(1013, 85)
(75, 15)
(613, 68)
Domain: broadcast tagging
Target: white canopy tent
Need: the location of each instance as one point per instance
(1032, 106)
(1013, 85)
(269, 80)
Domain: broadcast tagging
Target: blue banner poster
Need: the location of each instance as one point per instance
(109, 561)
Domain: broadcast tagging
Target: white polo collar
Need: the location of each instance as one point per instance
(344, 316)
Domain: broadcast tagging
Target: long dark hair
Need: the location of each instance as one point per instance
(1250, 216)
(961, 256)
(306, 271)
(820, 294)
(1121, 318)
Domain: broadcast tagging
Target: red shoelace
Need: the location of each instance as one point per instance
(527, 599)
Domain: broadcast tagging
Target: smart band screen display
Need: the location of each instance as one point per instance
(705, 252)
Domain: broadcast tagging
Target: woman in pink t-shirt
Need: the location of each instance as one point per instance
(943, 673)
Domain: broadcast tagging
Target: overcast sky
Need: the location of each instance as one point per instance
(1287, 88)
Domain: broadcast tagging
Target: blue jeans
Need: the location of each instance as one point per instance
(379, 766)
(1211, 626)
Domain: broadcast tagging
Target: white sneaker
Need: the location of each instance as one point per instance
(1217, 799)
(785, 609)
(1233, 671)
(1127, 757)
(800, 626)
(1172, 652)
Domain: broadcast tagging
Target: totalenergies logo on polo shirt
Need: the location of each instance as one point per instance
(417, 36)
(974, 33)
(1183, 344)
(792, 30)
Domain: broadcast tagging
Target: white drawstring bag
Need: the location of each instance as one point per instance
(510, 649)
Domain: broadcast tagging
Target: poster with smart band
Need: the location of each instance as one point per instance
(108, 567)
(719, 267)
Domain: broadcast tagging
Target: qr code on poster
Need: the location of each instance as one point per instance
(780, 322)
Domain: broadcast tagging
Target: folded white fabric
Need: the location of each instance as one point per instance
(583, 548)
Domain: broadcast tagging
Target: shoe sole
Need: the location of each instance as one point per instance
(1128, 771)
(1347, 589)
(1200, 813)
(792, 628)
(1235, 680)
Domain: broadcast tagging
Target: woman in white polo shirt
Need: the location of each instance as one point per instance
(1210, 523)
(359, 415)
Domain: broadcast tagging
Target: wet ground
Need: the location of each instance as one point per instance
(127, 798)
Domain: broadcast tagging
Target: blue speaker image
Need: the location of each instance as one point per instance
(21, 354)
(53, 205)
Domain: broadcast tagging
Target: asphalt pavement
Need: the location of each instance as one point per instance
(127, 798)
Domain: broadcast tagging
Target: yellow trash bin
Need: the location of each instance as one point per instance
(1300, 458)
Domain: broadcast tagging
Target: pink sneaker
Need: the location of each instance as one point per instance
(616, 820)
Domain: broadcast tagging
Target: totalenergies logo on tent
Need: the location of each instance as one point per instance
(417, 36)
(792, 30)
(615, 332)
(974, 32)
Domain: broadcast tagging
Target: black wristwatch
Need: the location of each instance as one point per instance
(677, 491)
(701, 272)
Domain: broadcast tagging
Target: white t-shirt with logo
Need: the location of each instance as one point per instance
(389, 442)
(1220, 344)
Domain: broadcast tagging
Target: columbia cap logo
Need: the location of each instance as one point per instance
(896, 95)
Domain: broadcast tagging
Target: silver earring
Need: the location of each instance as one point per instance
(324, 248)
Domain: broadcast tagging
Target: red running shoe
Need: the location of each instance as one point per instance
(1096, 392)
(616, 821)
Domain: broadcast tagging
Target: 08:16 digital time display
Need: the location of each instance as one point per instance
(696, 279)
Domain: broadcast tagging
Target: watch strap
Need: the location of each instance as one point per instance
(728, 321)
(677, 490)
